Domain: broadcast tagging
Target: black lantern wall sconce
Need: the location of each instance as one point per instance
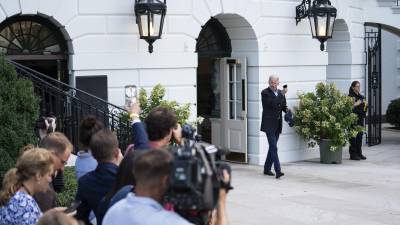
(322, 16)
(150, 16)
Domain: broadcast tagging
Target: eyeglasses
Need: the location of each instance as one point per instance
(63, 162)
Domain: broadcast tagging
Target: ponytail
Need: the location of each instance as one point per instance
(11, 184)
(29, 164)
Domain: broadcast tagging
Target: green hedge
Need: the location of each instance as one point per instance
(393, 112)
(67, 196)
(19, 109)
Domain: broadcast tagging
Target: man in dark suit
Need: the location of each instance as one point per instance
(93, 186)
(273, 102)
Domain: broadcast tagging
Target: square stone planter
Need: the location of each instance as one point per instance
(326, 155)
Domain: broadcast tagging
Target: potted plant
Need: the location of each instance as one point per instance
(325, 118)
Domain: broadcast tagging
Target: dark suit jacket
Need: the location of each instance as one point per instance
(272, 110)
(92, 187)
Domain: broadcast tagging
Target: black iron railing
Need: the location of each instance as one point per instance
(71, 105)
(373, 82)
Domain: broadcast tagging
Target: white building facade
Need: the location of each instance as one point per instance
(102, 40)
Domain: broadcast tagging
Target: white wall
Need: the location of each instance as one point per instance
(390, 68)
(104, 38)
(383, 15)
(339, 69)
(288, 51)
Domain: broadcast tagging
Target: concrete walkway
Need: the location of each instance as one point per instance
(354, 192)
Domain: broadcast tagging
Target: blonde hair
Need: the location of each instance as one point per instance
(53, 217)
(29, 164)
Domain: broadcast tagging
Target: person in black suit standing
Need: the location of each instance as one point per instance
(273, 103)
(360, 108)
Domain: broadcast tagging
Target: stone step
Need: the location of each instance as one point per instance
(396, 9)
(386, 3)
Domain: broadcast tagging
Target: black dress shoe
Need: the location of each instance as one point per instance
(355, 157)
(269, 173)
(362, 157)
(279, 174)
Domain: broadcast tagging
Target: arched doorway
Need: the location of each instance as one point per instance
(37, 43)
(224, 44)
(212, 44)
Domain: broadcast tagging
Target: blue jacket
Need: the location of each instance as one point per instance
(92, 187)
(139, 136)
(84, 163)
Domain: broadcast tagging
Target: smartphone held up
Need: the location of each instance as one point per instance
(130, 95)
(284, 90)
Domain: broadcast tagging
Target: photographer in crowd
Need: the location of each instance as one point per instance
(152, 170)
(45, 125)
(161, 125)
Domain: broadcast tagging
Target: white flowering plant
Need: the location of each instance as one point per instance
(326, 114)
(197, 122)
(156, 98)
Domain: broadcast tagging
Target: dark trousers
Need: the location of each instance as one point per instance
(356, 142)
(272, 157)
(355, 145)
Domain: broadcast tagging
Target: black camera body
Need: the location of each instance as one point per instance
(196, 178)
(41, 124)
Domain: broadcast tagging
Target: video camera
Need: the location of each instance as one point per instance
(46, 123)
(196, 178)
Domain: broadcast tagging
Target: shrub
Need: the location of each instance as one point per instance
(67, 196)
(326, 114)
(156, 99)
(19, 109)
(393, 112)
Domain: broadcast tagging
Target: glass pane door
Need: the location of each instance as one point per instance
(235, 91)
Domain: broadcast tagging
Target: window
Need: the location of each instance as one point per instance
(235, 91)
(213, 40)
(30, 35)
